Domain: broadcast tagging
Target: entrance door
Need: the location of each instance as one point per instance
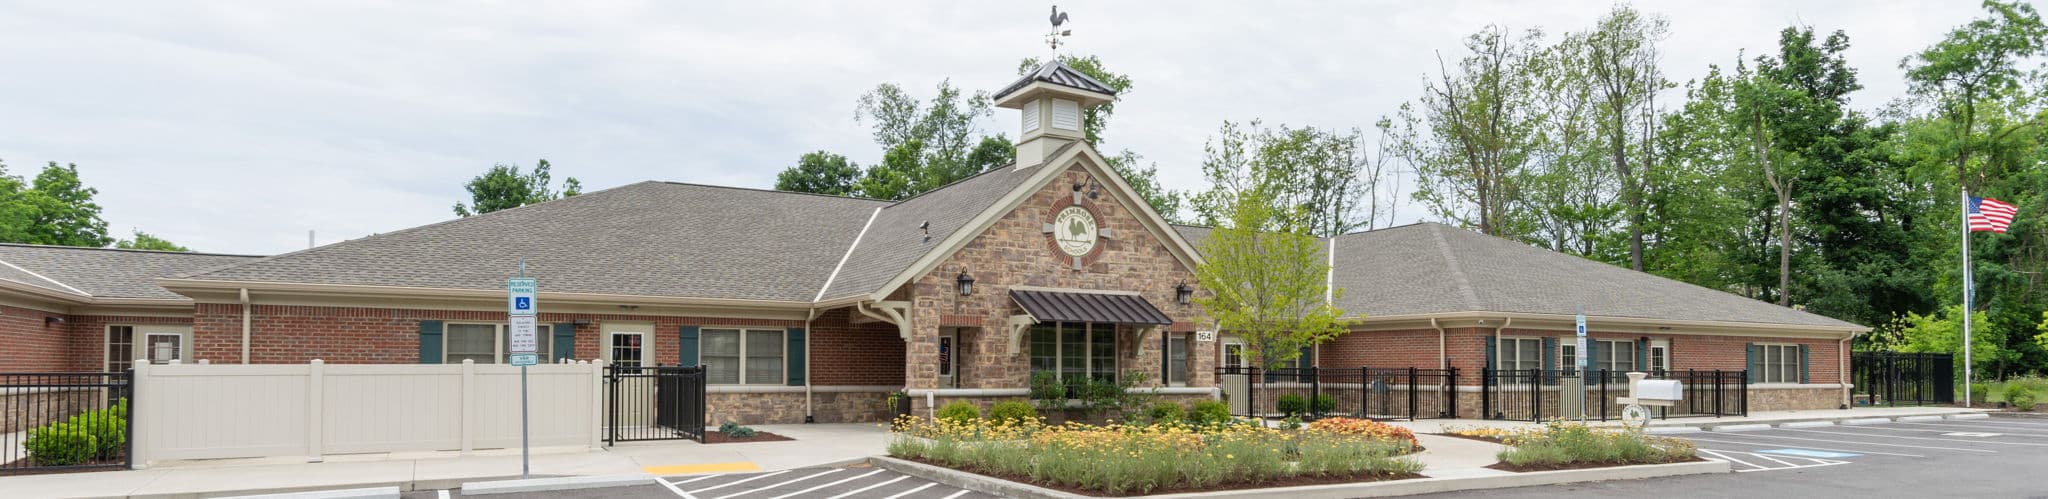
(1236, 380)
(1660, 356)
(949, 358)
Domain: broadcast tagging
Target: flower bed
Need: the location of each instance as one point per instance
(1128, 460)
(1366, 428)
(1562, 444)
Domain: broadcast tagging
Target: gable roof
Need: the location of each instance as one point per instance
(1435, 268)
(91, 273)
(656, 239)
(894, 241)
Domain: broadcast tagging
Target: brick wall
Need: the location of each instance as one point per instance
(282, 334)
(1016, 251)
(1467, 350)
(32, 344)
(845, 353)
(89, 337)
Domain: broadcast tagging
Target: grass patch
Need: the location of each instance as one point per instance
(1562, 444)
(1131, 460)
(1996, 391)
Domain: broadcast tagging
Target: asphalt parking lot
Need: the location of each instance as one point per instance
(1997, 457)
(808, 483)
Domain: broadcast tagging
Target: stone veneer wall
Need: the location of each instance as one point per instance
(1015, 251)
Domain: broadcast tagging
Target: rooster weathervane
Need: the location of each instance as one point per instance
(1053, 39)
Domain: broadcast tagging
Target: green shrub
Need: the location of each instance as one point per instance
(1563, 442)
(1047, 391)
(2019, 397)
(960, 411)
(1165, 413)
(1291, 404)
(1207, 412)
(734, 430)
(109, 430)
(1012, 412)
(60, 444)
(1325, 403)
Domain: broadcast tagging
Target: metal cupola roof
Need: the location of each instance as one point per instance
(1056, 76)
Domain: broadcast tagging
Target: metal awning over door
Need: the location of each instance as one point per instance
(1085, 306)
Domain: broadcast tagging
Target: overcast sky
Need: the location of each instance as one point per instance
(239, 126)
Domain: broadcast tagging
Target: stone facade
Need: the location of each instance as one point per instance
(1015, 251)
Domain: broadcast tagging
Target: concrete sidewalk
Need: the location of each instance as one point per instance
(1758, 417)
(814, 445)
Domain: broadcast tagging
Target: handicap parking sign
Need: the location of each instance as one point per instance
(522, 303)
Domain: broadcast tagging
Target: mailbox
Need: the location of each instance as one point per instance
(1659, 389)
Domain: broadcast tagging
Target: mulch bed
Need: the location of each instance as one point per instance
(1503, 466)
(1285, 482)
(712, 437)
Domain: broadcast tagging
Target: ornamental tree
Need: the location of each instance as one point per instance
(1266, 279)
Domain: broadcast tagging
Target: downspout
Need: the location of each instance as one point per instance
(245, 325)
(808, 361)
(1842, 374)
(1504, 322)
(1443, 356)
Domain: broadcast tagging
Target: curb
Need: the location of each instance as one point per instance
(1972, 415)
(388, 492)
(1806, 424)
(1916, 419)
(1670, 430)
(1865, 421)
(1738, 427)
(1425, 485)
(555, 484)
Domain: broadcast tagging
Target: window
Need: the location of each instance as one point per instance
(1780, 364)
(1074, 351)
(1233, 355)
(1519, 354)
(742, 356)
(1568, 356)
(487, 343)
(164, 347)
(1660, 356)
(626, 350)
(120, 348)
(1176, 360)
(1615, 356)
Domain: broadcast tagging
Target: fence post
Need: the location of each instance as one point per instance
(468, 413)
(315, 413)
(1536, 393)
(1315, 391)
(596, 401)
(1603, 395)
(1450, 385)
(138, 416)
(1411, 393)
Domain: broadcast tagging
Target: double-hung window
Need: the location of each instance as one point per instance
(1780, 364)
(1519, 354)
(487, 343)
(1074, 351)
(626, 349)
(1568, 355)
(1615, 356)
(742, 356)
(1176, 360)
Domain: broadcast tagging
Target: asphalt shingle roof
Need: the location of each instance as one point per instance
(103, 272)
(895, 241)
(644, 239)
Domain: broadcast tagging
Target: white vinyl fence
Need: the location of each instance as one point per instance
(197, 411)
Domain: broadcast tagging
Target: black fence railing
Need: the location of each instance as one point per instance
(1363, 392)
(654, 403)
(1536, 394)
(62, 421)
(1901, 378)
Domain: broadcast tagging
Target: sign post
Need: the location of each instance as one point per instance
(1581, 362)
(524, 343)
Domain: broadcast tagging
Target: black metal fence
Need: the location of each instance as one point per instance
(1536, 394)
(654, 403)
(1315, 393)
(1900, 378)
(60, 421)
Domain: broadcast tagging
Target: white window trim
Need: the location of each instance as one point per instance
(610, 346)
(1500, 355)
(1656, 358)
(1789, 376)
(106, 349)
(1223, 353)
(647, 340)
(138, 336)
(1187, 369)
(1568, 362)
(782, 337)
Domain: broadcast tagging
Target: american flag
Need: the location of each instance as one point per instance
(1990, 215)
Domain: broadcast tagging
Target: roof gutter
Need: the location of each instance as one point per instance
(179, 285)
(1759, 327)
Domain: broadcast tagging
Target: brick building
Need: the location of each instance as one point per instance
(813, 308)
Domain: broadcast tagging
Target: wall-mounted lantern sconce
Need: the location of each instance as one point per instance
(966, 283)
(580, 322)
(51, 320)
(1183, 293)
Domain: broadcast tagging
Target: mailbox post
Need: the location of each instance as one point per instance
(1647, 392)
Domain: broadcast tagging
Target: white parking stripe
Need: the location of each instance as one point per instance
(1839, 441)
(962, 492)
(844, 480)
(1975, 427)
(1993, 442)
(713, 475)
(740, 481)
(673, 488)
(912, 491)
(758, 489)
(868, 488)
(1954, 429)
(443, 494)
(1804, 446)
(1754, 467)
(1730, 459)
(1780, 461)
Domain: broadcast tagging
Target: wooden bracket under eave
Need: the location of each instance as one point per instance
(1016, 325)
(890, 311)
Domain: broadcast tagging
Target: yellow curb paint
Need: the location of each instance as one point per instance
(685, 469)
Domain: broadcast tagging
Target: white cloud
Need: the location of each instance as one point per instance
(238, 126)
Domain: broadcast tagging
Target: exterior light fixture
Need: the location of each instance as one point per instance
(1183, 293)
(966, 284)
(52, 320)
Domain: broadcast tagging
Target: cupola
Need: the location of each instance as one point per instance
(1052, 100)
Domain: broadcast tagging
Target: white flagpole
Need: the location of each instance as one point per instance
(1969, 285)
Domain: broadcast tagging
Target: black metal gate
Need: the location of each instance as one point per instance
(1314, 393)
(1901, 378)
(63, 421)
(1535, 394)
(653, 403)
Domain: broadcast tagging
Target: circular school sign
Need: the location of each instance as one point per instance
(1075, 230)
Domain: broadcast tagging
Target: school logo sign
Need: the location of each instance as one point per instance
(1075, 230)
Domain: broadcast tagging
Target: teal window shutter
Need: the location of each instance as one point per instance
(793, 357)
(1803, 372)
(1592, 354)
(565, 342)
(1550, 360)
(686, 344)
(1643, 354)
(430, 342)
(1755, 362)
(1489, 352)
(1308, 357)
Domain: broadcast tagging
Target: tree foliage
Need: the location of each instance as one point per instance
(145, 241)
(1321, 181)
(503, 187)
(55, 208)
(1265, 277)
